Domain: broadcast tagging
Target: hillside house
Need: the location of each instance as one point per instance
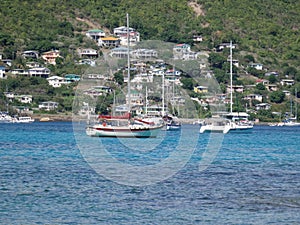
(48, 106)
(202, 65)
(142, 78)
(22, 110)
(155, 110)
(69, 78)
(26, 99)
(189, 55)
(97, 76)
(236, 88)
(276, 74)
(184, 52)
(263, 106)
(272, 87)
(136, 98)
(30, 54)
(256, 97)
(8, 62)
(157, 72)
(32, 64)
(119, 52)
(87, 53)
(201, 89)
(180, 49)
(56, 81)
(172, 72)
(263, 81)
(235, 62)
(98, 91)
(140, 66)
(19, 72)
(197, 38)
(109, 42)
(89, 62)
(134, 38)
(286, 92)
(95, 34)
(222, 46)
(159, 65)
(121, 32)
(42, 72)
(51, 56)
(257, 66)
(287, 82)
(172, 75)
(143, 54)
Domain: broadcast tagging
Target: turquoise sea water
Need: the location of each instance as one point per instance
(46, 177)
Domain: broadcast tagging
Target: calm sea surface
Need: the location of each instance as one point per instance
(50, 174)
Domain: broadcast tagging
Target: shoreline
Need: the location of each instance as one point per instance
(70, 118)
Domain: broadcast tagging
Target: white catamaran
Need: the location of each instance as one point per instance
(230, 121)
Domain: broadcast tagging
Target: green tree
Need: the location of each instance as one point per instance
(188, 83)
(291, 71)
(119, 78)
(277, 96)
(216, 60)
(260, 87)
(272, 79)
(249, 58)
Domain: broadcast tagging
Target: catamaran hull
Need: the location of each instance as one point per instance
(214, 129)
(230, 126)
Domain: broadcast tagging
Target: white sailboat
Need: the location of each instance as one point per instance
(124, 126)
(292, 121)
(230, 121)
(5, 117)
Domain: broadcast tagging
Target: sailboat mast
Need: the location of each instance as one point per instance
(163, 94)
(128, 65)
(296, 107)
(146, 108)
(231, 77)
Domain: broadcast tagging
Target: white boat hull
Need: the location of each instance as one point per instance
(235, 126)
(291, 124)
(215, 129)
(173, 127)
(224, 126)
(23, 120)
(123, 132)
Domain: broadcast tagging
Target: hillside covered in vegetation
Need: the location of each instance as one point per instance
(267, 29)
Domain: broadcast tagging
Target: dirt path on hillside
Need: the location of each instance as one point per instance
(197, 8)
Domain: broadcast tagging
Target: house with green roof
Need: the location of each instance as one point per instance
(95, 34)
